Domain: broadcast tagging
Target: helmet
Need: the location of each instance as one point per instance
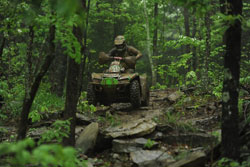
(120, 43)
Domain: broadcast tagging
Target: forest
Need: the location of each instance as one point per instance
(195, 63)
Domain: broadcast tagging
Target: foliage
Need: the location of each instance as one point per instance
(174, 119)
(12, 98)
(225, 162)
(83, 105)
(109, 119)
(45, 103)
(158, 86)
(24, 153)
(217, 90)
(59, 129)
(217, 134)
(191, 79)
(150, 143)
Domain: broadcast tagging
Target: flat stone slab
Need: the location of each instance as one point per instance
(155, 158)
(83, 119)
(195, 159)
(192, 139)
(175, 96)
(130, 145)
(138, 127)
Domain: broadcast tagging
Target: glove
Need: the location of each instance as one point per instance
(104, 58)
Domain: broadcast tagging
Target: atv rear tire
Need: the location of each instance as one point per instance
(135, 94)
(91, 97)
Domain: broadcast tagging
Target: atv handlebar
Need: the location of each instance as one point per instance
(118, 58)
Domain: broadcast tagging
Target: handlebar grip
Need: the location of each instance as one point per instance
(118, 58)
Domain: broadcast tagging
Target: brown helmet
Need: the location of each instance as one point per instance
(120, 43)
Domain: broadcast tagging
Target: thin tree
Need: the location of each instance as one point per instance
(29, 98)
(155, 37)
(73, 85)
(186, 26)
(194, 57)
(149, 44)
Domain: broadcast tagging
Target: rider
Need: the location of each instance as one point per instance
(123, 50)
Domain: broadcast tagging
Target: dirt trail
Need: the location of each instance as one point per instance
(187, 128)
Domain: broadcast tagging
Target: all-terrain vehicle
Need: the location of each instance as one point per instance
(115, 85)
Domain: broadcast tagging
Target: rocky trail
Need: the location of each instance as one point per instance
(177, 129)
(174, 130)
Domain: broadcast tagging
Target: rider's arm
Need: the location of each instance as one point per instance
(112, 52)
(135, 52)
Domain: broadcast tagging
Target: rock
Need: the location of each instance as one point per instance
(172, 98)
(78, 131)
(121, 107)
(42, 123)
(115, 156)
(144, 108)
(212, 107)
(208, 122)
(96, 161)
(156, 135)
(83, 120)
(37, 132)
(195, 159)
(187, 90)
(130, 145)
(87, 138)
(191, 139)
(165, 128)
(133, 128)
(169, 109)
(187, 100)
(193, 108)
(102, 108)
(89, 164)
(146, 158)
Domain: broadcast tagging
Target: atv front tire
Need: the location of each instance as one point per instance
(91, 97)
(135, 94)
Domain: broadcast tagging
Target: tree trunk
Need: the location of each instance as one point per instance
(149, 45)
(155, 37)
(229, 126)
(194, 57)
(163, 21)
(208, 48)
(84, 49)
(73, 86)
(1, 56)
(72, 92)
(29, 79)
(58, 74)
(187, 27)
(71, 99)
(1, 68)
(28, 100)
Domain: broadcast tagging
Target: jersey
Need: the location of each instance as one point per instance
(129, 51)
